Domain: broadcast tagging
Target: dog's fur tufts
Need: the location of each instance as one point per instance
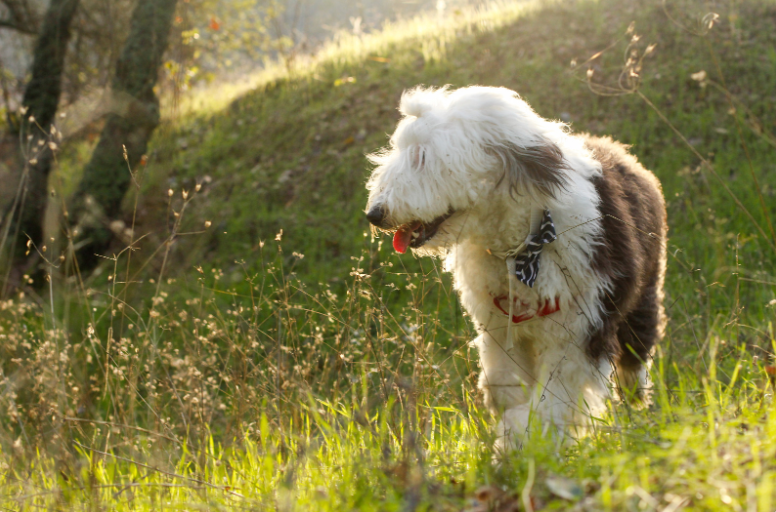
(469, 172)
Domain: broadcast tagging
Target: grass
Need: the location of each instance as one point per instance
(312, 368)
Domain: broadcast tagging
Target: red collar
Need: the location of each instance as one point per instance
(547, 308)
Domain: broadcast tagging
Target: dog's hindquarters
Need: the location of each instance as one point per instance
(638, 334)
(632, 256)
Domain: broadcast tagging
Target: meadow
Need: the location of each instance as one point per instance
(251, 345)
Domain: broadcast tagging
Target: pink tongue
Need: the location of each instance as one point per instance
(403, 237)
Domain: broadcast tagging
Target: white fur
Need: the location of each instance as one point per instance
(441, 158)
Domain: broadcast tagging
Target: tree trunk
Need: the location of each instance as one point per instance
(24, 217)
(134, 117)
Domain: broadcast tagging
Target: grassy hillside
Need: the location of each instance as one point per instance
(242, 367)
(289, 155)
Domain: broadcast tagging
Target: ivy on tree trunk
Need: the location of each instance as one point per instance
(134, 117)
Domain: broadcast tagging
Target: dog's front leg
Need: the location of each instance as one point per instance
(506, 379)
(569, 396)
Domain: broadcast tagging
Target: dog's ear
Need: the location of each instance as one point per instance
(540, 167)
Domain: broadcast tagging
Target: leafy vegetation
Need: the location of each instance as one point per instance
(282, 358)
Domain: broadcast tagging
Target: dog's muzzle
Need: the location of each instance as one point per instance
(377, 215)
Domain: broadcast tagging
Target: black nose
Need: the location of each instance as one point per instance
(376, 215)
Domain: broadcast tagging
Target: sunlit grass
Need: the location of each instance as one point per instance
(431, 31)
(365, 443)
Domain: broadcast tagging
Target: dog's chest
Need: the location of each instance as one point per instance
(481, 279)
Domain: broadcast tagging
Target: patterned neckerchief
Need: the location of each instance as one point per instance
(527, 262)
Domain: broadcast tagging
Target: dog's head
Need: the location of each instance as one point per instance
(455, 151)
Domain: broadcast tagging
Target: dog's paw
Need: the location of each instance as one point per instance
(512, 429)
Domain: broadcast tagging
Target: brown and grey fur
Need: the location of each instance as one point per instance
(632, 256)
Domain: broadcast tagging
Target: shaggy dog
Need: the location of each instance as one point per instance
(556, 243)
